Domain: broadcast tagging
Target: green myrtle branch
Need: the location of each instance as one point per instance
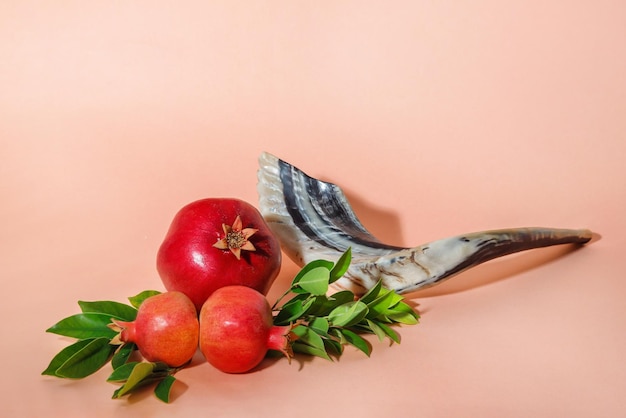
(326, 323)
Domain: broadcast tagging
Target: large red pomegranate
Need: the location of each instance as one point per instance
(217, 242)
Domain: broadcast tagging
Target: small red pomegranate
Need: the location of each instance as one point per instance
(166, 329)
(236, 330)
(218, 242)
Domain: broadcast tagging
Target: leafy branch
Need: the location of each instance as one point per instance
(96, 347)
(325, 324)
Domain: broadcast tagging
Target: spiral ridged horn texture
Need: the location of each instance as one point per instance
(314, 220)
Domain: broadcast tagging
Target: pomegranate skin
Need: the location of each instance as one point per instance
(188, 261)
(235, 328)
(166, 329)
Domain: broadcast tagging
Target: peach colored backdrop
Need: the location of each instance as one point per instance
(438, 118)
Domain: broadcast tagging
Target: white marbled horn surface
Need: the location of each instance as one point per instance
(313, 220)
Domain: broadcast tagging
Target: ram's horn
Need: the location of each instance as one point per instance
(313, 220)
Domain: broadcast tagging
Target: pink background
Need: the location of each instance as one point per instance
(437, 118)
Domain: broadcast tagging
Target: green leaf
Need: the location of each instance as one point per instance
(114, 309)
(122, 354)
(299, 347)
(164, 388)
(378, 331)
(315, 280)
(136, 378)
(333, 346)
(309, 337)
(403, 307)
(336, 332)
(348, 314)
(386, 299)
(160, 367)
(341, 297)
(122, 373)
(64, 355)
(86, 361)
(294, 309)
(297, 290)
(373, 293)
(299, 297)
(325, 304)
(396, 299)
(319, 325)
(341, 266)
(354, 339)
(138, 299)
(84, 325)
(407, 318)
(390, 332)
(310, 266)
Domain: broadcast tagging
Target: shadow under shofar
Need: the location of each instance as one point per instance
(314, 220)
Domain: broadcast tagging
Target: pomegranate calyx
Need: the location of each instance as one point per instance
(236, 238)
(123, 329)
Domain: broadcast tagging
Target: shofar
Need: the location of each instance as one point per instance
(313, 220)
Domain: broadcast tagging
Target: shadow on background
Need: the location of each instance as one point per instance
(382, 223)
